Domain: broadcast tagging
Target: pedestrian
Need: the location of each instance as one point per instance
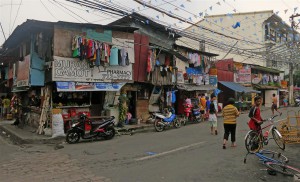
(6, 104)
(274, 105)
(207, 106)
(255, 116)
(230, 113)
(202, 104)
(212, 118)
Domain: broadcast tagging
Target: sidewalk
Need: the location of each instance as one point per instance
(27, 134)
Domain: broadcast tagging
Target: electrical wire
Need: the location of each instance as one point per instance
(64, 11)
(16, 15)
(48, 10)
(70, 10)
(10, 16)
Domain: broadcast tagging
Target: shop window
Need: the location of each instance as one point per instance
(143, 93)
(71, 99)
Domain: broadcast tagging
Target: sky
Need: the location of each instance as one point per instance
(15, 12)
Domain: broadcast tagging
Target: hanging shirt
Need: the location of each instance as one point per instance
(173, 97)
(124, 56)
(113, 56)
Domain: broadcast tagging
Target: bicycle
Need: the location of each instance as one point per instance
(272, 160)
(254, 140)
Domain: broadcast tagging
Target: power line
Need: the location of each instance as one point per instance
(16, 15)
(69, 10)
(48, 10)
(64, 11)
(10, 16)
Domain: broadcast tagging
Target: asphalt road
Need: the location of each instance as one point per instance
(189, 153)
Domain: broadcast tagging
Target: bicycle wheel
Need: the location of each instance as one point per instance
(282, 168)
(253, 142)
(274, 155)
(278, 138)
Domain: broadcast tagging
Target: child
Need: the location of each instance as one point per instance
(256, 119)
(212, 118)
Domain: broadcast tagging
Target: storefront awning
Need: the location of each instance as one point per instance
(265, 87)
(238, 87)
(85, 86)
(195, 87)
(20, 89)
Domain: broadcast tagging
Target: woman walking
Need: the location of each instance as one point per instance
(230, 113)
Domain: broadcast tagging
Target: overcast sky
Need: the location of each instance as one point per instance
(15, 12)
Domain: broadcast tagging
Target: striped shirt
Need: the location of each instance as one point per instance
(230, 113)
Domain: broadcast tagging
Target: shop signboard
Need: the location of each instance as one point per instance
(74, 70)
(85, 86)
(213, 80)
(244, 76)
(23, 72)
(284, 84)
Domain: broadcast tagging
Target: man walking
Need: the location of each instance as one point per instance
(230, 113)
(274, 105)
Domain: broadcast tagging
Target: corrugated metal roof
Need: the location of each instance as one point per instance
(238, 87)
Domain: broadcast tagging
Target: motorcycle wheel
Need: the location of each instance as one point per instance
(177, 123)
(111, 132)
(72, 137)
(158, 125)
(184, 120)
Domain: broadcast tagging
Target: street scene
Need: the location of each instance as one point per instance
(164, 90)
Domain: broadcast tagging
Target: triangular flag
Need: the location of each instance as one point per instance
(163, 14)
(216, 21)
(277, 12)
(221, 19)
(132, 10)
(234, 10)
(87, 10)
(200, 14)
(195, 16)
(295, 9)
(210, 8)
(298, 20)
(170, 12)
(222, 29)
(285, 11)
(157, 16)
(176, 9)
(218, 3)
(188, 0)
(190, 18)
(182, 5)
(144, 4)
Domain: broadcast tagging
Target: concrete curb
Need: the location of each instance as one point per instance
(17, 139)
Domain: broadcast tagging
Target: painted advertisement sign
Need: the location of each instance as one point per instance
(22, 78)
(84, 86)
(72, 69)
(243, 76)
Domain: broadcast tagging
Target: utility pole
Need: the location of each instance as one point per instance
(291, 79)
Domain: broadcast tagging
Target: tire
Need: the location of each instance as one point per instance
(72, 137)
(253, 142)
(177, 123)
(282, 168)
(278, 139)
(274, 155)
(111, 131)
(158, 125)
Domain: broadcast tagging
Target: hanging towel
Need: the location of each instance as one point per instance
(114, 56)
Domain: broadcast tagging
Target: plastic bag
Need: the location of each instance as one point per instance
(57, 125)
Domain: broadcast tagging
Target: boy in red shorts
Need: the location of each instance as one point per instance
(254, 114)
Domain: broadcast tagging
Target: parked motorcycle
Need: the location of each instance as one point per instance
(191, 113)
(297, 101)
(161, 122)
(102, 128)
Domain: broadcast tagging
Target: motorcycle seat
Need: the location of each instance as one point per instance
(98, 122)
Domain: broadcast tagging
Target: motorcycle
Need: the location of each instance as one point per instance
(191, 113)
(297, 102)
(161, 121)
(102, 128)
